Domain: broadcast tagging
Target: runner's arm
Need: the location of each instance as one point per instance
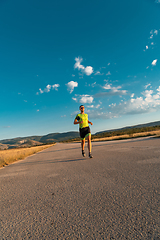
(90, 122)
(76, 120)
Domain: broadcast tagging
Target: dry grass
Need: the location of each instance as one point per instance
(126, 136)
(12, 155)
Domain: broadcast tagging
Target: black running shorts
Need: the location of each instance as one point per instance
(84, 132)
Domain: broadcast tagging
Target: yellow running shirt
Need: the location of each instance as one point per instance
(82, 117)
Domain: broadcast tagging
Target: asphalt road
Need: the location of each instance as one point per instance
(57, 194)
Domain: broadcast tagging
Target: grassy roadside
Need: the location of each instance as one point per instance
(13, 155)
(124, 133)
(128, 136)
(155, 133)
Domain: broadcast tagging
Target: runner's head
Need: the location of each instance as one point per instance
(81, 108)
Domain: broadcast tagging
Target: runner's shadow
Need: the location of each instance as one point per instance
(70, 160)
(58, 150)
(53, 161)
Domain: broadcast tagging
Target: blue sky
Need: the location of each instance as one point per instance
(57, 55)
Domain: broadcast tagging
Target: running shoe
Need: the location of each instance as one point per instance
(83, 154)
(90, 155)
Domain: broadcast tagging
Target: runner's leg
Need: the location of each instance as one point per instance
(83, 144)
(89, 143)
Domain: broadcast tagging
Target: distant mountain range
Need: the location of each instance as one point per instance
(37, 140)
(151, 124)
(56, 137)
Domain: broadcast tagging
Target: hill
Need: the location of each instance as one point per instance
(68, 136)
(151, 124)
(57, 137)
(36, 140)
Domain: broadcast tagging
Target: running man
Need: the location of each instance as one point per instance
(85, 132)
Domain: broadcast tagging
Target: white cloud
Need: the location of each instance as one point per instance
(97, 106)
(87, 70)
(78, 63)
(153, 33)
(132, 95)
(93, 84)
(75, 99)
(86, 99)
(71, 85)
(149, 101)
(97, 73)
(111, 93)
(93, 106)
(55, 86)
(148, 95)
(90, 106)
(99, 114)
(41, 91)
(154, 62)
(146, 86)
(48, 88)
(146, 47)
(157, 1)
(112, 105)
(107, 86)
(109, 73)
(114, 89)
